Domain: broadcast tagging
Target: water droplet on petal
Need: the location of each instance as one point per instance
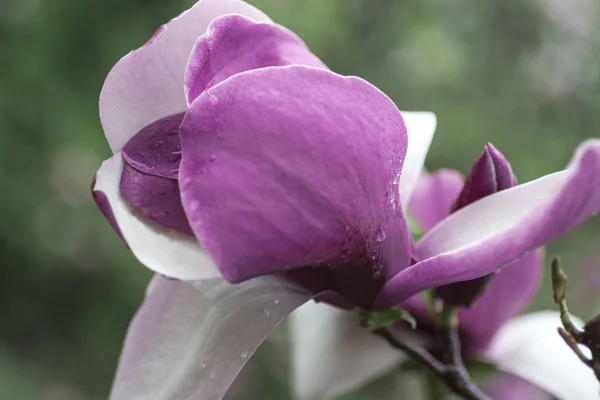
(380, 235)
(266, 312)
(244, 354)
(212, 158)
(174, 156)
(276, 301)
(158, 144)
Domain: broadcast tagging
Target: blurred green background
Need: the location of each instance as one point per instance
(520, 74)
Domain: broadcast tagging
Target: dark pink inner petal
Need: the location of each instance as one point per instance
(295, 167)
(490, 174)
(156, 150)
(154, 197)
(235, 44)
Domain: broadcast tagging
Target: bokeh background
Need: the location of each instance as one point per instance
(520, 74)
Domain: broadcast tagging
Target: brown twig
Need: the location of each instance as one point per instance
(453, 373)
(572, 343)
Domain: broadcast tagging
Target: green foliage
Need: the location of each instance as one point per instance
(373, 320)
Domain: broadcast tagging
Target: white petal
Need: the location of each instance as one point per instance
(420, 127)
(161, 249)
(189, 341)
(332, 354)
(530, 347)
(147, 84)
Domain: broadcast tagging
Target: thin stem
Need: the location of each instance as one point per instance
(454, 375)
(572, 343)
(559, 287)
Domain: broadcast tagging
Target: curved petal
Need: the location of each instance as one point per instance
(529, 347)
(235, 44)
(190, 341)
(147, 84)
(507, 294)
(332, 354)
(154, 197)
(505, 386)
(161, 249)
(285, 167)
(434, 195)
(420, 128)
(498, 229)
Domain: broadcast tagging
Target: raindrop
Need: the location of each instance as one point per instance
(276, 301)
(212, 158)
(173, 130)
(158, 144)
(203, 365)
(174, 156)
(160, 214)
(244, 354)
(380, 235)
(266, 312)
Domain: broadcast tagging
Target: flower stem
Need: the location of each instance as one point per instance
(453, 372)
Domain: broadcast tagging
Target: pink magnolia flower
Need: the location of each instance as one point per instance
(258, 179)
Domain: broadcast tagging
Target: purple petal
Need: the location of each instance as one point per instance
(434, 196)
(147, 84)
(332, 354)
(510, 387)
(499, 229)
(529, 347)
(508, 294)
(104, 206)
(155, 198)
(156, 150)
(235, 44)
(161, 249)
(295, 166)
(420, 128)
(490, 174)
(190, 341)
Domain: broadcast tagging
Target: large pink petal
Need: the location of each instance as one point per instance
(285, 167)
(147, 84)
(161, 249)
(499, 229)
(434, 195)
(190, 340)
(235, 44)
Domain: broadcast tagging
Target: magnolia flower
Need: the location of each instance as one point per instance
(252, 180)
